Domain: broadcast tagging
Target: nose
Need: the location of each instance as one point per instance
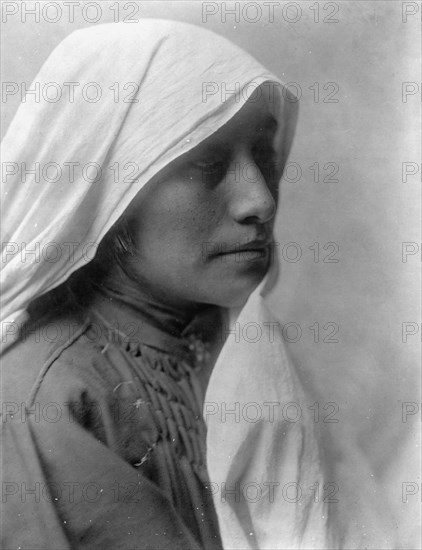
(251, 200)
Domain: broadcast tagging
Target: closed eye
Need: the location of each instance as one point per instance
(208, 164)
(212, 167)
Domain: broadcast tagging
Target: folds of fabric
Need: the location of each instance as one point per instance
(263, 453)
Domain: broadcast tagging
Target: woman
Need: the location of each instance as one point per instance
(151, 224)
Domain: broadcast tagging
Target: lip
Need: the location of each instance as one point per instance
(253, 246)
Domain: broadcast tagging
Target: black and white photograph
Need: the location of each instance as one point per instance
(210, 275)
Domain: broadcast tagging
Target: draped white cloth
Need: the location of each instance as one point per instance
(118, 103)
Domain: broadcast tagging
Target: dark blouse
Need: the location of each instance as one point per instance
(103, 437)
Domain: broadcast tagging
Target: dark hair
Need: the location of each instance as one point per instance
(77, 291)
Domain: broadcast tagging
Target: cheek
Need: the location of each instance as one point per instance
(177, 221)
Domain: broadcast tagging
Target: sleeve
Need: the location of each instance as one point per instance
(64, 488)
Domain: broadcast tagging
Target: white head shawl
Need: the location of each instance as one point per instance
(125, 101)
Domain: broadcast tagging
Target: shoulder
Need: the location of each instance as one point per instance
(57, 351)
(78, 378)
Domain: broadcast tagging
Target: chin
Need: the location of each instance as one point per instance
(234, 295)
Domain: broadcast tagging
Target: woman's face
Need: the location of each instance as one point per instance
(203, 228)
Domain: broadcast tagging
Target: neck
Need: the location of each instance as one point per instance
(126, 291)
(128, 303)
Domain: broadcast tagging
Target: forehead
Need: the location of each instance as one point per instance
(254, 119)
(254, 116)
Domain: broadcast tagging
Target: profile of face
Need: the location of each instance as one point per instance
(203, 227)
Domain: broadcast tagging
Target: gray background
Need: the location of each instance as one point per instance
(368, 213)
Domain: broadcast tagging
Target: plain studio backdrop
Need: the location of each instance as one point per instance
(347, 227)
